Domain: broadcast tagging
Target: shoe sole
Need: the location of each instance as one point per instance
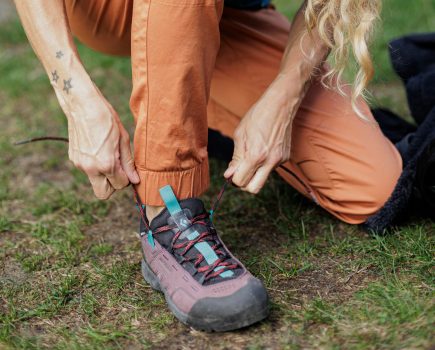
(243, 319)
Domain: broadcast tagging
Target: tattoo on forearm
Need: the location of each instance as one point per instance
(54, 76)
(67, 85)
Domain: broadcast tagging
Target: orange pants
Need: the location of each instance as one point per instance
(197, 65)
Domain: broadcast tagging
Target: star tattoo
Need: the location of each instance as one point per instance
(54, 76)
(67, 85)
(59, 54)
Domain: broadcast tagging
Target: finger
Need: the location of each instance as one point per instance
(231, 169)
(101, 186)
(237, 157)
(118, 179)
(259, 179)
(127, 162)
(244, 173)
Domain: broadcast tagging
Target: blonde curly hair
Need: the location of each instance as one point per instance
(346, 27)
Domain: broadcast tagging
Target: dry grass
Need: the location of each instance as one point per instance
(69, 265)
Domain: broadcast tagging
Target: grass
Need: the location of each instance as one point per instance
(69, 264)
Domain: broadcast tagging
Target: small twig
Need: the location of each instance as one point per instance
(43, 138)
(356, 273)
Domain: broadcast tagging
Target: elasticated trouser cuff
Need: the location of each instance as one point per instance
(185, 183)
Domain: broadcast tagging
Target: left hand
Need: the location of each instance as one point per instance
(262, 140)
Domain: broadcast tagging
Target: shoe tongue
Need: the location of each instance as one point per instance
(195, 207)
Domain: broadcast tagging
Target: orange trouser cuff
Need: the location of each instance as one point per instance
(185, 183)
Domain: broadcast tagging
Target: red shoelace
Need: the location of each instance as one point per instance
(209, 235)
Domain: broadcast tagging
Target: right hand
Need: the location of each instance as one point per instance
(99, 145)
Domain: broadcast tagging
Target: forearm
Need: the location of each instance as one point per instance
(305, 52)
(47, 29)
(98, 143)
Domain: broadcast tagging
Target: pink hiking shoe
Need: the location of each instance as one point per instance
(205, 286)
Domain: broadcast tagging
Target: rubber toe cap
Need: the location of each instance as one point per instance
(244, 307)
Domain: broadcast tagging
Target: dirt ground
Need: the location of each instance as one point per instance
(70, 264)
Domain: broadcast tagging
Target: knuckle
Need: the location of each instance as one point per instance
(236, 181)
(262, 155)
(241, 183)
(277, 158)
(129, 162)
(86, 165)
(105, 167)
(257, 157)
(102, 197)
(252, 189)
(88, 168)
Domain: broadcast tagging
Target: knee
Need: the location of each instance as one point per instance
(382, 187)
(366, 196)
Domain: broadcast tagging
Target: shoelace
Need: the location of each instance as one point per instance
(208, 271)
(208, 235)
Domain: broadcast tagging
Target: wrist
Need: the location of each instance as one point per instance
(290, 83)
(73, 82)
(77, 94)
(287, 94)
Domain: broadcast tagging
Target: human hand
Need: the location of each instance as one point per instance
(99, 145)
(262, 140)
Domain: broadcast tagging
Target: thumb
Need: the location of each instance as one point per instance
(235, 162)
(127, 162)
(232, 167)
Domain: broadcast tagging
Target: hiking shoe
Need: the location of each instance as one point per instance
(205, 286)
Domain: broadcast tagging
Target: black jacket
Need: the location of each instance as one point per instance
(413, 58)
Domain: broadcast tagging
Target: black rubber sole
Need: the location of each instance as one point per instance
(203, 321)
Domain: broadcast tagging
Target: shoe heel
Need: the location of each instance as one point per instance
(149, 276)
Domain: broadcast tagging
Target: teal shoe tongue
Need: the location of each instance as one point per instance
(192, 207)
(178, 216)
